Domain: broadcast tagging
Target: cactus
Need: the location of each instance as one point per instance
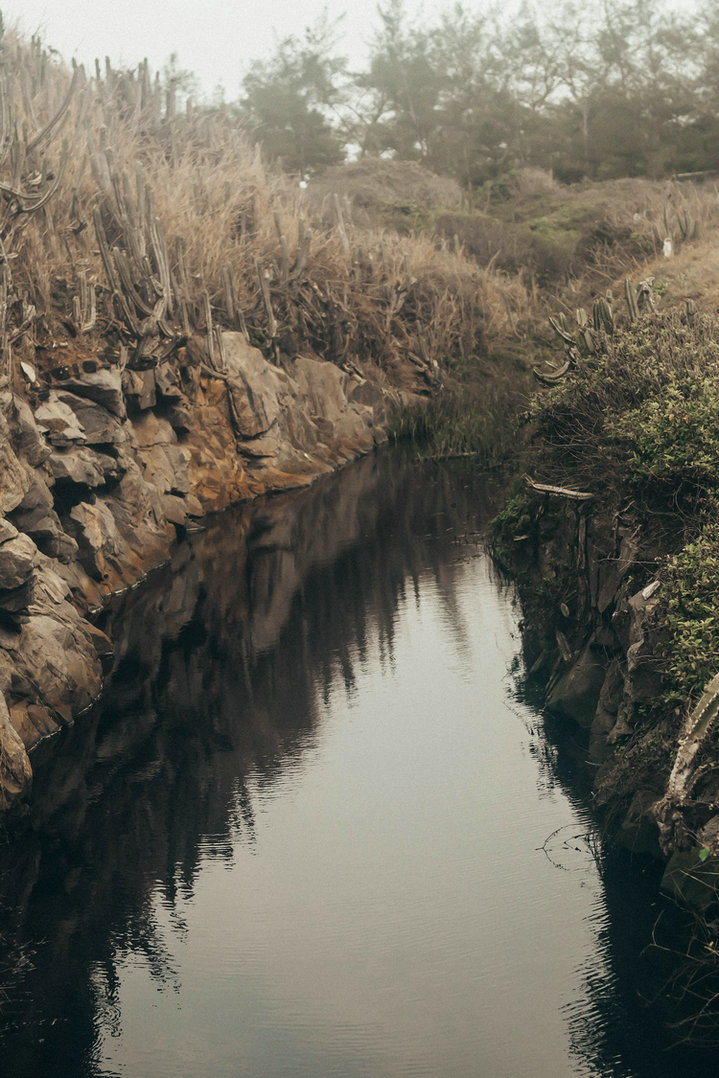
(137, 266)
(603, 316)
(631, 298)
(210, 329)
(263, 281)
(687, 225)
(588, 340)
(285, 260)
(232, 308)
(5, 346)
(304, 238)
(559, 325)
(84, 305)
(645, 294)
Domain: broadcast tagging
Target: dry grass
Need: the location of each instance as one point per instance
(189, 207)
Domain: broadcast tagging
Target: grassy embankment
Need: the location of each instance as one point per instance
(635, 419)
(556, 249)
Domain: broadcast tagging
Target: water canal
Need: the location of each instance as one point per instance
(315, 828)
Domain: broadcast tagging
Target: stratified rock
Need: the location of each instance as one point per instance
(99, 426)
(103, 386)
(59, 422)
(84, 467)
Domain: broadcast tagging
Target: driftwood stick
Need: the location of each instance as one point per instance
(562, 492)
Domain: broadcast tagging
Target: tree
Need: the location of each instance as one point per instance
(289, 97)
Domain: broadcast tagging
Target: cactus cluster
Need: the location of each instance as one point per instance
(31, 172)
(585, 338)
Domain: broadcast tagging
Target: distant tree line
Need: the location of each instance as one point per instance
(613, 88)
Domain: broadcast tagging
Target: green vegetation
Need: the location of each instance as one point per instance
(638, 421)
(689, 612)
(477, 420)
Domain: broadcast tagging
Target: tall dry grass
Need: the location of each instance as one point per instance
(125, 160)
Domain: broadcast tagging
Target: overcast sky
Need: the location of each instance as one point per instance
(215, 39)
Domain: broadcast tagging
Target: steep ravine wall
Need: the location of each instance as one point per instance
(590, 639)
(102, 468)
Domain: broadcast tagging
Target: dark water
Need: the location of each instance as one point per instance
(315, 830)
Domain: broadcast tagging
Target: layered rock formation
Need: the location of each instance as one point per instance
(591, 639)
(102, 469)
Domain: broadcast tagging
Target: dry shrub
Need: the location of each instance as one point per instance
(530, 181)
(379, 191)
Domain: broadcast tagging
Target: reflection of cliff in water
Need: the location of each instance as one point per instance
(220, 659)
(642, 1007)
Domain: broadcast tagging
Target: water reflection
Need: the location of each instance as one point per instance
(235, 793)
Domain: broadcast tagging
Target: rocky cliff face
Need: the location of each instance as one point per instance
(589, 637)
(102, 468)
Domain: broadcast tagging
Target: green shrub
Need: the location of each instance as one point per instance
(688, 613)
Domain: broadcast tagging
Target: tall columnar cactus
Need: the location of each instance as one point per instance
(137, 263)
(5, 346)
(603, 316)
(84, 305)
(29, 182)
(630, 296)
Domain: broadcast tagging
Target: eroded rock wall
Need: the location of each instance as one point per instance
(590, 640)
(100, 470)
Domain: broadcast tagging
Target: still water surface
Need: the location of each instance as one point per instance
(314, 829)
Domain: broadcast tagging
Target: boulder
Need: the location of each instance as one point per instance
(17, 560)
(15, 478)
(7, 530)
(255, 385)
(167, 382)
(99, 541)
(576, 693)
(58, 421)
(99, 426)
(56, 663)
(150, 429)
(29, 442)
(103, 386)
(15, 769)
(84, 467)
(37, 518)
(139, 389)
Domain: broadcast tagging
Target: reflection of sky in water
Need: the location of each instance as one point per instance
(393, 914)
